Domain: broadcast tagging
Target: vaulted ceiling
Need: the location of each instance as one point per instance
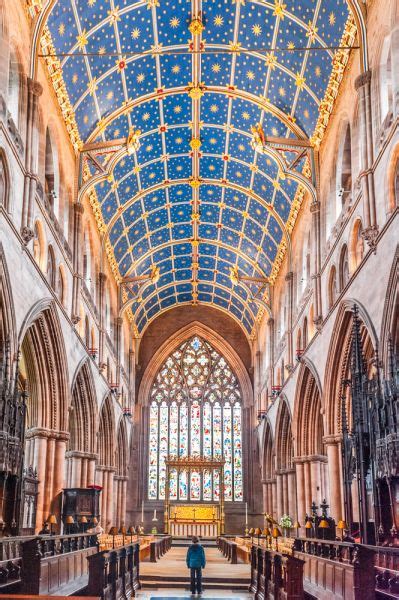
(188, 80)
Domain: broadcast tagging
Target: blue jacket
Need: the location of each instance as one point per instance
(195, 557)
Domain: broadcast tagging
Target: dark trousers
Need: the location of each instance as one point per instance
(196, 580)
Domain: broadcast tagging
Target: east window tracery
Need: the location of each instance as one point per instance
(195, 410)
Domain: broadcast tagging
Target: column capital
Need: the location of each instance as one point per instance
(102, 276)
(289, 276)
(332, 439)
(78, 208)
(34, 87)
(119, 320)
(315, 207)
(362, 80)
(270, 322)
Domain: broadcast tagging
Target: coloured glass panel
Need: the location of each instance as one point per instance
(195, 411)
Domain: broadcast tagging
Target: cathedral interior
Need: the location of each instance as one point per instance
(199, 297)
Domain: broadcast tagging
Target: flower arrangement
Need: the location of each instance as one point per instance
(286, 522)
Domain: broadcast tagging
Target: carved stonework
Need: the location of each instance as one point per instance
(27, 235)
(318, 321)
(362, 80)
(370, 235)
(315, 207)
(35, 87)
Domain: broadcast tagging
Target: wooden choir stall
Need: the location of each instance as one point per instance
(194, 513)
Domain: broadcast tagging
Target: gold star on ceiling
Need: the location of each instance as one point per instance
(279, 8)
(299, 81)
(113, 15)
(82, 40)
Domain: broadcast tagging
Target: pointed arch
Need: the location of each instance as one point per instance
(283, 436)
(106, 434)
(308, 421)
(121, 454)
(83, 414)
(268, 461)
(196, 328)
(44, 356)
(338, 360)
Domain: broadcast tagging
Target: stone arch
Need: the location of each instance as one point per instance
(390, 318)
(308, 422)
(43, 366)
(106, 434)
(81, 455)
(310, 453)
(269, 470)
(83, 416)
(337, 367)
(196, 328)
(285, 473)
(44, 356)
(121, 463)
(106, 461)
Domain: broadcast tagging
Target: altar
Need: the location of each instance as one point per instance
(201, 515)
(196, 519)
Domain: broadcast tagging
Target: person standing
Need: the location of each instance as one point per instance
(195, 560)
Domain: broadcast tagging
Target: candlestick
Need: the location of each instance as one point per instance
(142, 511)
(246, 513)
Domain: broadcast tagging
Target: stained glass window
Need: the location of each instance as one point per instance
(195, 410)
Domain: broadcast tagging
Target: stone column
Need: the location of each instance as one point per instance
(265, 490)
(119, 349)
(102, 282)
(362, 85)
(292, 505)
(59, 462)
(110, 509)
(300, 489)
(332, 443)
(39, 463)
(34, 91)
(395, 70)
(315, 475)
(270, 324)
(289, 278)
(123, 502)
(77, 259)
(280, 496)
(318, 309)
(307, 484)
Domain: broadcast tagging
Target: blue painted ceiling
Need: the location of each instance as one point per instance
(139, 59)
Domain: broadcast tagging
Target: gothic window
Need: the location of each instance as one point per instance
(195, 410)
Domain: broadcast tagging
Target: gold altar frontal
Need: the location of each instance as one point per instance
(205, 520)
(194, 519)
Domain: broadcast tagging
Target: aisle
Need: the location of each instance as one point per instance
(169, 577)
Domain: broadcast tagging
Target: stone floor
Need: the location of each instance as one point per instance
(218, 573)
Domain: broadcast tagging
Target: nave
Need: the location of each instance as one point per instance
(169, 578)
